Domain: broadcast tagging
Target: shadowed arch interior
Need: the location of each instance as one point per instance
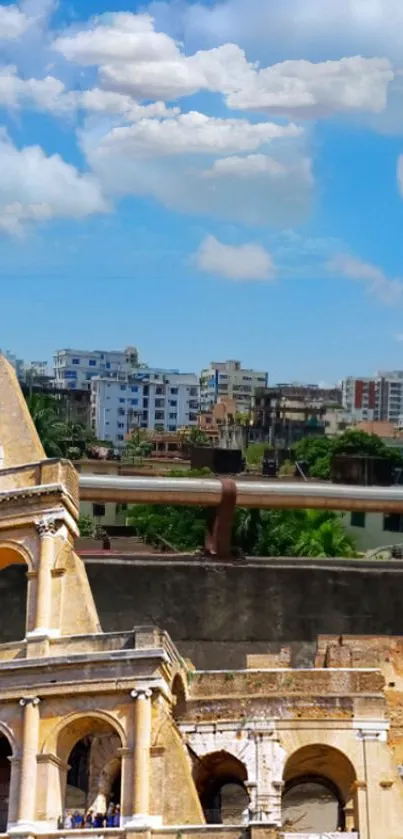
(319, 790)
(13, 592)
(220, 781)
(90, 745)
(5, 772)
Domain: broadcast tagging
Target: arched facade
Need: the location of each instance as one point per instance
(16, 565)
(85, 750)
(319, 791)
(220, 780)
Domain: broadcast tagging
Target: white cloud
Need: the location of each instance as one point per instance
(297, 28)
(174, 161)
(259, 165)
(13, 22)
(117, 37)
(386, 289)
(191, 133)
(235, 262)
(133, 58)
(34, 187)
(100, 101)
(302, 88)
(46, 94)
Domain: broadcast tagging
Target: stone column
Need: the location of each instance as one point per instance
(47, 529)
(141, 756)
(28, 766)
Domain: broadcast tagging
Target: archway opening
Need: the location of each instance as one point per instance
(93, 779)
(220, 780)
(179, 696)
(319, 792)
(5, 771)
(14, 592)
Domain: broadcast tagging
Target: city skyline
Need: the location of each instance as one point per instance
(184, 170)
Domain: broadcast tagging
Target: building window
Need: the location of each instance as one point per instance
(98, 510)
(173, 416)
(134, 401)
(135, 389)
(173, 403)
(122, 401)
(92, 362)
(120, 437)
(121, 425)
(174, 391)
(393, 523)
(123, 387)
(357, 519)
(75, 360)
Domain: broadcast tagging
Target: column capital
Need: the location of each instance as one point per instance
(29, 700)
(141, 693)
(47, 526)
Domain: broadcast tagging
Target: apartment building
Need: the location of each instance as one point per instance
(228, 378)
(75, 369)
(379, 398)
(151, 399)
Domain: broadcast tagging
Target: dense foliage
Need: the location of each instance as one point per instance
(59, 438)
(318, 451)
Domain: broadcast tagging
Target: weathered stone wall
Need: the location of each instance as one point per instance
(219, 613)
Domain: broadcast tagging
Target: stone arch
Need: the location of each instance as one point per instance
(220, 780)
(319, 790)
(13, 553)
(179, 695)
(62, 738)
(7, 752)
(15, 561)
(87, 748)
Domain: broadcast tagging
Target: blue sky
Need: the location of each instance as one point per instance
(205, 181)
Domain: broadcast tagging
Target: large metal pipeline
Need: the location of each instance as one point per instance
(262, 494)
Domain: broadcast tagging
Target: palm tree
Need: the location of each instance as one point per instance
(323, 535)
(52, 431)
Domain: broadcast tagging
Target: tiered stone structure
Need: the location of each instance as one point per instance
(88, 717)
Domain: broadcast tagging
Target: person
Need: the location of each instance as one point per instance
(89, 819)
(110, 815)
(99, 820)
(77, 820)
(68, 821)
(116, 818)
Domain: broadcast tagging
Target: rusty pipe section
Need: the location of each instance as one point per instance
(260, 494)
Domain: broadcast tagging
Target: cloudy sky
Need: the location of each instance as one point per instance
(204, 180)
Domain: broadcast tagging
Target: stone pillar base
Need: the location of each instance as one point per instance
(22, 828)
(140, 820)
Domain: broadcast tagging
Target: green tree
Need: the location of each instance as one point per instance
(323, 535)
(255, 453)
(356, 442)
(59, 438)
(51, 429)
(86, 526)
(314, 450)
(196, 437)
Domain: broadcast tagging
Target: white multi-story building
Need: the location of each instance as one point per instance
(74, 369)
(152, 399)
(228, 378)
(379, 398)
